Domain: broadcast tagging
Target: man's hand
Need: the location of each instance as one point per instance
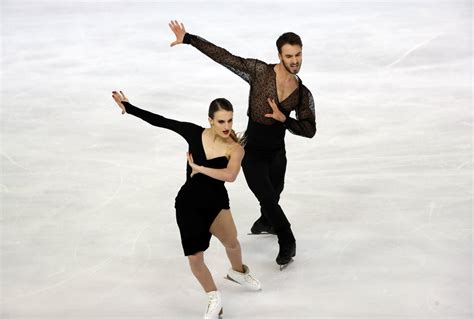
(178, 30)
(277, 114)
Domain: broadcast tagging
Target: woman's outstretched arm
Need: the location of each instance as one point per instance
(184, 129)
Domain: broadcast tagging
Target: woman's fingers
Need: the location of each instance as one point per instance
(119, 96)
(191, 163)
(115, 96)
(124, 98)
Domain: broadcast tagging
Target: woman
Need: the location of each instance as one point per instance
(202, 203)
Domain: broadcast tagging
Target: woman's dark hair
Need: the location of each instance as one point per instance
(219, 104)
(288, 38)
(223, 104)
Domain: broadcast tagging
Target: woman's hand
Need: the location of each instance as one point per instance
(193, 165)
(277, 114)
(178, 30)
(119, 98)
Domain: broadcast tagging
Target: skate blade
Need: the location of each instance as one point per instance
(283, 266)
(260, 234)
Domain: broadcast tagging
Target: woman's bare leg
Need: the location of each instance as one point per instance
(224, 229)
(201, 272)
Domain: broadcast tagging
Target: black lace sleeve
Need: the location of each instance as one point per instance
(305, 122)
(245, 68)
(185, 129)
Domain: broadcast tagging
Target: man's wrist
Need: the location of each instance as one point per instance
(187, 38)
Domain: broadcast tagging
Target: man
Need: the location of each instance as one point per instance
(275, 91)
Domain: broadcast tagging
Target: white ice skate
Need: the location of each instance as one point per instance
(244, 278)
(214, 307)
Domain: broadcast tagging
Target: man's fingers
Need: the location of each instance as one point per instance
(271, 102)
(176, 26)
(172, 26)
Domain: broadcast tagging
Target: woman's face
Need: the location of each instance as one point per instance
(222, 123)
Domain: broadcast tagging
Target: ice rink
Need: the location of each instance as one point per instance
(380, 200)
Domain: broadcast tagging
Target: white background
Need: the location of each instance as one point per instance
(380, 200)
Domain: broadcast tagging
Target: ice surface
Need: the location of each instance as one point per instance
(380, 200)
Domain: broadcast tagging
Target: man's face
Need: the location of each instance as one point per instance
(291, 56)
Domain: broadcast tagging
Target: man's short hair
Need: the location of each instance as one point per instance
(288, 38)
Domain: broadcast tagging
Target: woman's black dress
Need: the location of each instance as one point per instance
(201, 198)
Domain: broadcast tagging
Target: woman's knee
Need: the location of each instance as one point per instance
(196, 260)
(231, 243)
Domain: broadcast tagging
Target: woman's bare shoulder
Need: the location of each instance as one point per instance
(235, 149)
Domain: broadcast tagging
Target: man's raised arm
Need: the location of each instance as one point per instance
(245, 68)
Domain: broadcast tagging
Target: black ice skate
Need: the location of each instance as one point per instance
(286, 254)
(261, 227)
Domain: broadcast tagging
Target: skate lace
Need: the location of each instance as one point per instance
(251, 280)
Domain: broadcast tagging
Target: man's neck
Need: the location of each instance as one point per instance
(283, 73)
